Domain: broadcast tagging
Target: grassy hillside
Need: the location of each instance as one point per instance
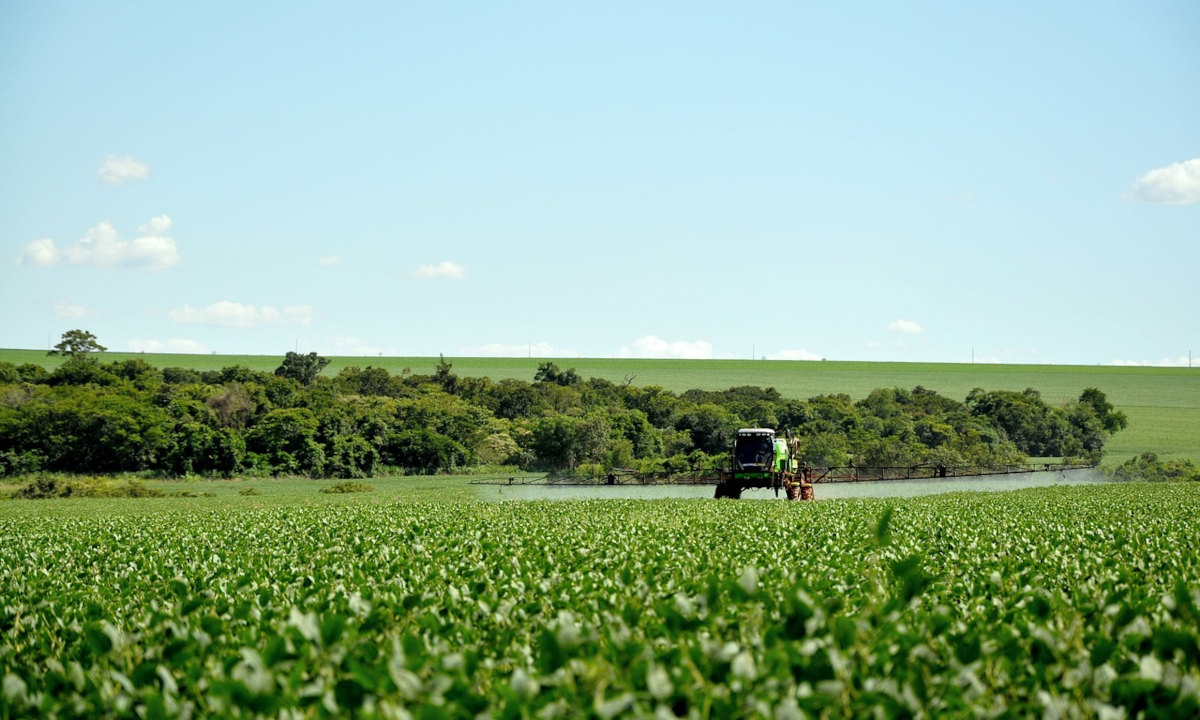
(1163, 404)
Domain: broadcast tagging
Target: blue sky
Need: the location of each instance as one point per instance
(1014, 182)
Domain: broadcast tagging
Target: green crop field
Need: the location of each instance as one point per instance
(1163, 404)
(1051, 602)
(217, 496)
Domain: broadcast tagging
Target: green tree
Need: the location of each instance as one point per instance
(633, 426)
(828, 449)
(140, 373)
(497, 448)
(286, 440)
(712, 427)
(444, 377)
(304, 369)
(554, 441)
(202, 449)
(1112, 419)
(180, 376)
(658, 404)
(82, 370)
(32, 373)
(87, 429)
(422, 450)
(369, 381)
(345, 431)
(1025, 418)
(9, 373)
(512, 399)
(77, 342)
(549, 372)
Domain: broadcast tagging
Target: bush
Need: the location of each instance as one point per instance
(1148, 467)
(590, 470)
(15, 462)
(349, 486)
(47, 486)
(43, 487)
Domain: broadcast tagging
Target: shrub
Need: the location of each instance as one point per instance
(1148, 467)
(47, 486)
(348, 486)
(15, 462)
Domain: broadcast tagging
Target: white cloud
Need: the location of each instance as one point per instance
(794, 355)
(156, 226)
(1181, 361)
(446, 269)
(174, 345)
(71, 311)
(1175, 184)
(119, 170)
(329, 260)
(40, 253)
(538, 350)
(652, 346)
(907, 327)
(235, 314)
(102, 247)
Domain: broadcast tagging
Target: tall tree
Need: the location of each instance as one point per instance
(551, 373)
(76, 343)
(444, 377)
(1112, 419)
(304, 369)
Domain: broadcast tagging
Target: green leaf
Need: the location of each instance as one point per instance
(349, 694)
(275, 650)
(212, 625)
(98, 640)
(145, 674)
(1101, 651)
(156, 707)
(883, 530)
(911, 576)
(550, 655)
(331, 629)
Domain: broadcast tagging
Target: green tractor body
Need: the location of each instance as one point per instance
(762, 460)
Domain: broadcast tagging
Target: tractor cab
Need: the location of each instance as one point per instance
(754, 450)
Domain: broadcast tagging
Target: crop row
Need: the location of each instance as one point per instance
(1060, 602)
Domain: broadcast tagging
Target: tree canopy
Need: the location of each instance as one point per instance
(87, 416)
(304, 369)
(75, 343)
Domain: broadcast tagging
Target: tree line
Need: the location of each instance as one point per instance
(89, 416)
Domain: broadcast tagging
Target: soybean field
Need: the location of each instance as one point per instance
(1052, 602)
